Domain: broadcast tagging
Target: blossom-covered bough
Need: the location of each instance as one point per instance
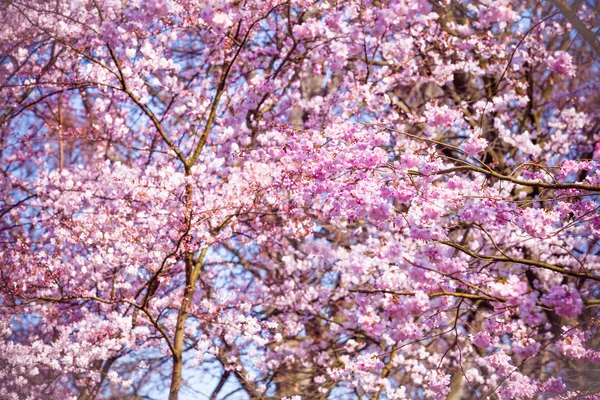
(258, 199)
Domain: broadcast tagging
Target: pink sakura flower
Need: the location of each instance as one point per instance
(501, 362)
(368, 362)
(442, 116)
(409, 159)
(22, 54)
(482, 339)
(569, 167)
(333, 21)
(222, 20)
(496, 11)
(566, 301)
(526, 347)
(303, 31)
(440, 385)
(593, 356)
(410, 331)
(537, 222)
(518, 386)
(561, 63)
(534, 175)
(474, 145)
(513, 289)
(110, 34)
(572, 344)
(216, 18)
(554, 385)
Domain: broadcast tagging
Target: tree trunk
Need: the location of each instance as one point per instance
(192, 269)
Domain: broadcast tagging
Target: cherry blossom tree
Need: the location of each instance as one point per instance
(301, 199)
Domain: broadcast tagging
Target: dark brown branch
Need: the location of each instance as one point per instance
(555, 186)
(532, 263)
(435, 294)
(220, 385)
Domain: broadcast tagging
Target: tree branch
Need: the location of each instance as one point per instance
(579, 26)
(533, 263)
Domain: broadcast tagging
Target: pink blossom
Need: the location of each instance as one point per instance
(526, 347)
(482, 339)
(536, 221)
(593, 356)
(501, 362)
(565, 300)
(316, 196)
(442, 116)
(572, 344)
(561, 63)
(554, 385)
(474, 145)
(500, 12)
